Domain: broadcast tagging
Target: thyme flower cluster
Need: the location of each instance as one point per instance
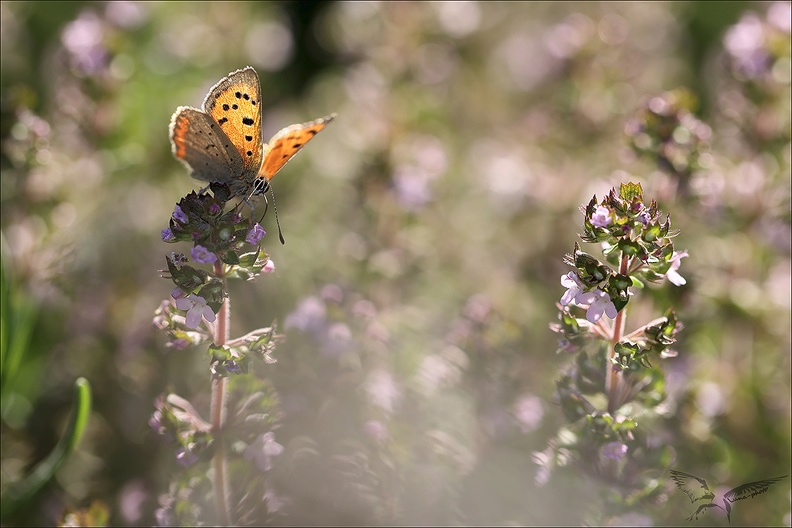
(611, 385)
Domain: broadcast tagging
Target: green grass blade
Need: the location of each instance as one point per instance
(21, 493)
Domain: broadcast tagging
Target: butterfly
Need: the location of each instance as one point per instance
(223, 141)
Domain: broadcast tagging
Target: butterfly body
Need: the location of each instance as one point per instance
(222, 142)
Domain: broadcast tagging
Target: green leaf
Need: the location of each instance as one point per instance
(630, 247)
(248, 259)
(187, 278)
(229, 257)
(17, 320)
(630, 191)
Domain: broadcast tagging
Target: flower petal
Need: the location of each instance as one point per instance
(209, 315)
(193, 318)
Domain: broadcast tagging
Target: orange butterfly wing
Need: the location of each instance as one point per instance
(286, 143)
(200, 143)
(235, 104)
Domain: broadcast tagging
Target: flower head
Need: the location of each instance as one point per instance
(269, 267)
(601, 217)
(263, 450)
(672, 274)
(599, 302)
(180, 215)
(167, 235)
(255, 234)
(574, 288)
(196, 310)
(185, 457)
(614, 450)
(202, 255)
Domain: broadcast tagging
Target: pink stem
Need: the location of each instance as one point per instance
(613, 376)
(218, 412)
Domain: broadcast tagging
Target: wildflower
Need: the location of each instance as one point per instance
(232, 366)
(155, 422)
(269, 267)
(614, 450)
(672, 274)
(180, 215)
(263, 450)
(167, 235)
(599, 302)
(178, 344)
(196, 309)
(574, 288)
(601, 217)
(185, 457)
(177, 293)
(202, 255)
(255, 234)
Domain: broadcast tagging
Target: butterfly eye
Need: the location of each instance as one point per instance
(260, 186)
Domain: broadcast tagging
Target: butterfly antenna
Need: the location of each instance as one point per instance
(266, 208)
(275, 207)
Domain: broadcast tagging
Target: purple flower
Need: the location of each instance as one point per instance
(601, 217)
(155, 422)
(255, 234)
(672, 274)
(196, 310)
(599, 302)
(177, 293)
(614, 450)
(214, 209)
(167, 235)
(185, 457)
(202, 255)
(178, 344)
(232, 366)
(574, 288)
(179, 215)
(263, 450)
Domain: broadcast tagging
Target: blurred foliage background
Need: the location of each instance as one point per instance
(424, 235)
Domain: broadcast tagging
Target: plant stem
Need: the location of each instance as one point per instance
(613, 376)
(221, 492)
